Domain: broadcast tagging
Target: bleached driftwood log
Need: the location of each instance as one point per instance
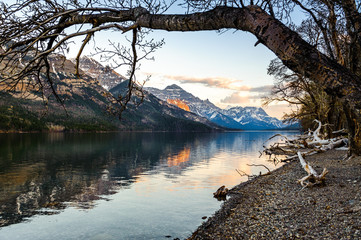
(313, 177)
(316, 133)
(334, 143)
(313, 143)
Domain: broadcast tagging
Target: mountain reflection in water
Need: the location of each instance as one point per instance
(44, 174)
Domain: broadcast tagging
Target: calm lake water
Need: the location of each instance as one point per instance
(118, 185)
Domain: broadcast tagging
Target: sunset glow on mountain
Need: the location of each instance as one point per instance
(179, 103)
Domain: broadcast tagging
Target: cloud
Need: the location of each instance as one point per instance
(219, 82)
(236, 99)
(262, 89)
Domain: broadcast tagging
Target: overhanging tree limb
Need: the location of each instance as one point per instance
(294, 52)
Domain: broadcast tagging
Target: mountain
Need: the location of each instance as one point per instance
(86, 105)
(200, 107)
(247, 118)
(159, 115)
(254, 118)
(107, 77)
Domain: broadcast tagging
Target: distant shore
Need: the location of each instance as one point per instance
(276, 207)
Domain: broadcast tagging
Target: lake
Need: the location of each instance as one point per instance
(119, 185)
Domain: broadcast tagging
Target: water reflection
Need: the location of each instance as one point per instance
(46, 170)
(47, 173)
(179, 158)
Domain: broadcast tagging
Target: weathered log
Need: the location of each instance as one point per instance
(313, 177)
(312, 141)
(309, 153)
(334, 144)
(316, 133)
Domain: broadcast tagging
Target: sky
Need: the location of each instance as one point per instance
(223, 67)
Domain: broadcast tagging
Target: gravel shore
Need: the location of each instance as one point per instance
(276, 207)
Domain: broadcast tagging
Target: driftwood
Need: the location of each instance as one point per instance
(242, 173)
(311, 143)
(305, 145)
(316, 133)
(313, 177)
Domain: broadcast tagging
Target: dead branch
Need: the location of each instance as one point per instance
(259, 165)
(313, 177)
(242, 173)
(312, 143)
(293, 157)
(342, 131)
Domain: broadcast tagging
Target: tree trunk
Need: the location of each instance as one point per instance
(354, 130)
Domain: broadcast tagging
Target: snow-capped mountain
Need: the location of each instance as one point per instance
(246, 118)
(157, 114)
(196, 105)
(254, 118)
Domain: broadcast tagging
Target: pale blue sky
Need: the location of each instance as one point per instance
(211, 65)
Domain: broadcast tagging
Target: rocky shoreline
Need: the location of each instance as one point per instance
(276, 207)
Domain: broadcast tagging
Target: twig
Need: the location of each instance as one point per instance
(259, 165)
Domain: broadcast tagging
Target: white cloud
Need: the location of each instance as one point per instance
(262, 89)
(217, 82)
(235, 98)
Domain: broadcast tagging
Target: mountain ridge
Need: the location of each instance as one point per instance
(87, 104)
(239, 118)
(170, 116)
